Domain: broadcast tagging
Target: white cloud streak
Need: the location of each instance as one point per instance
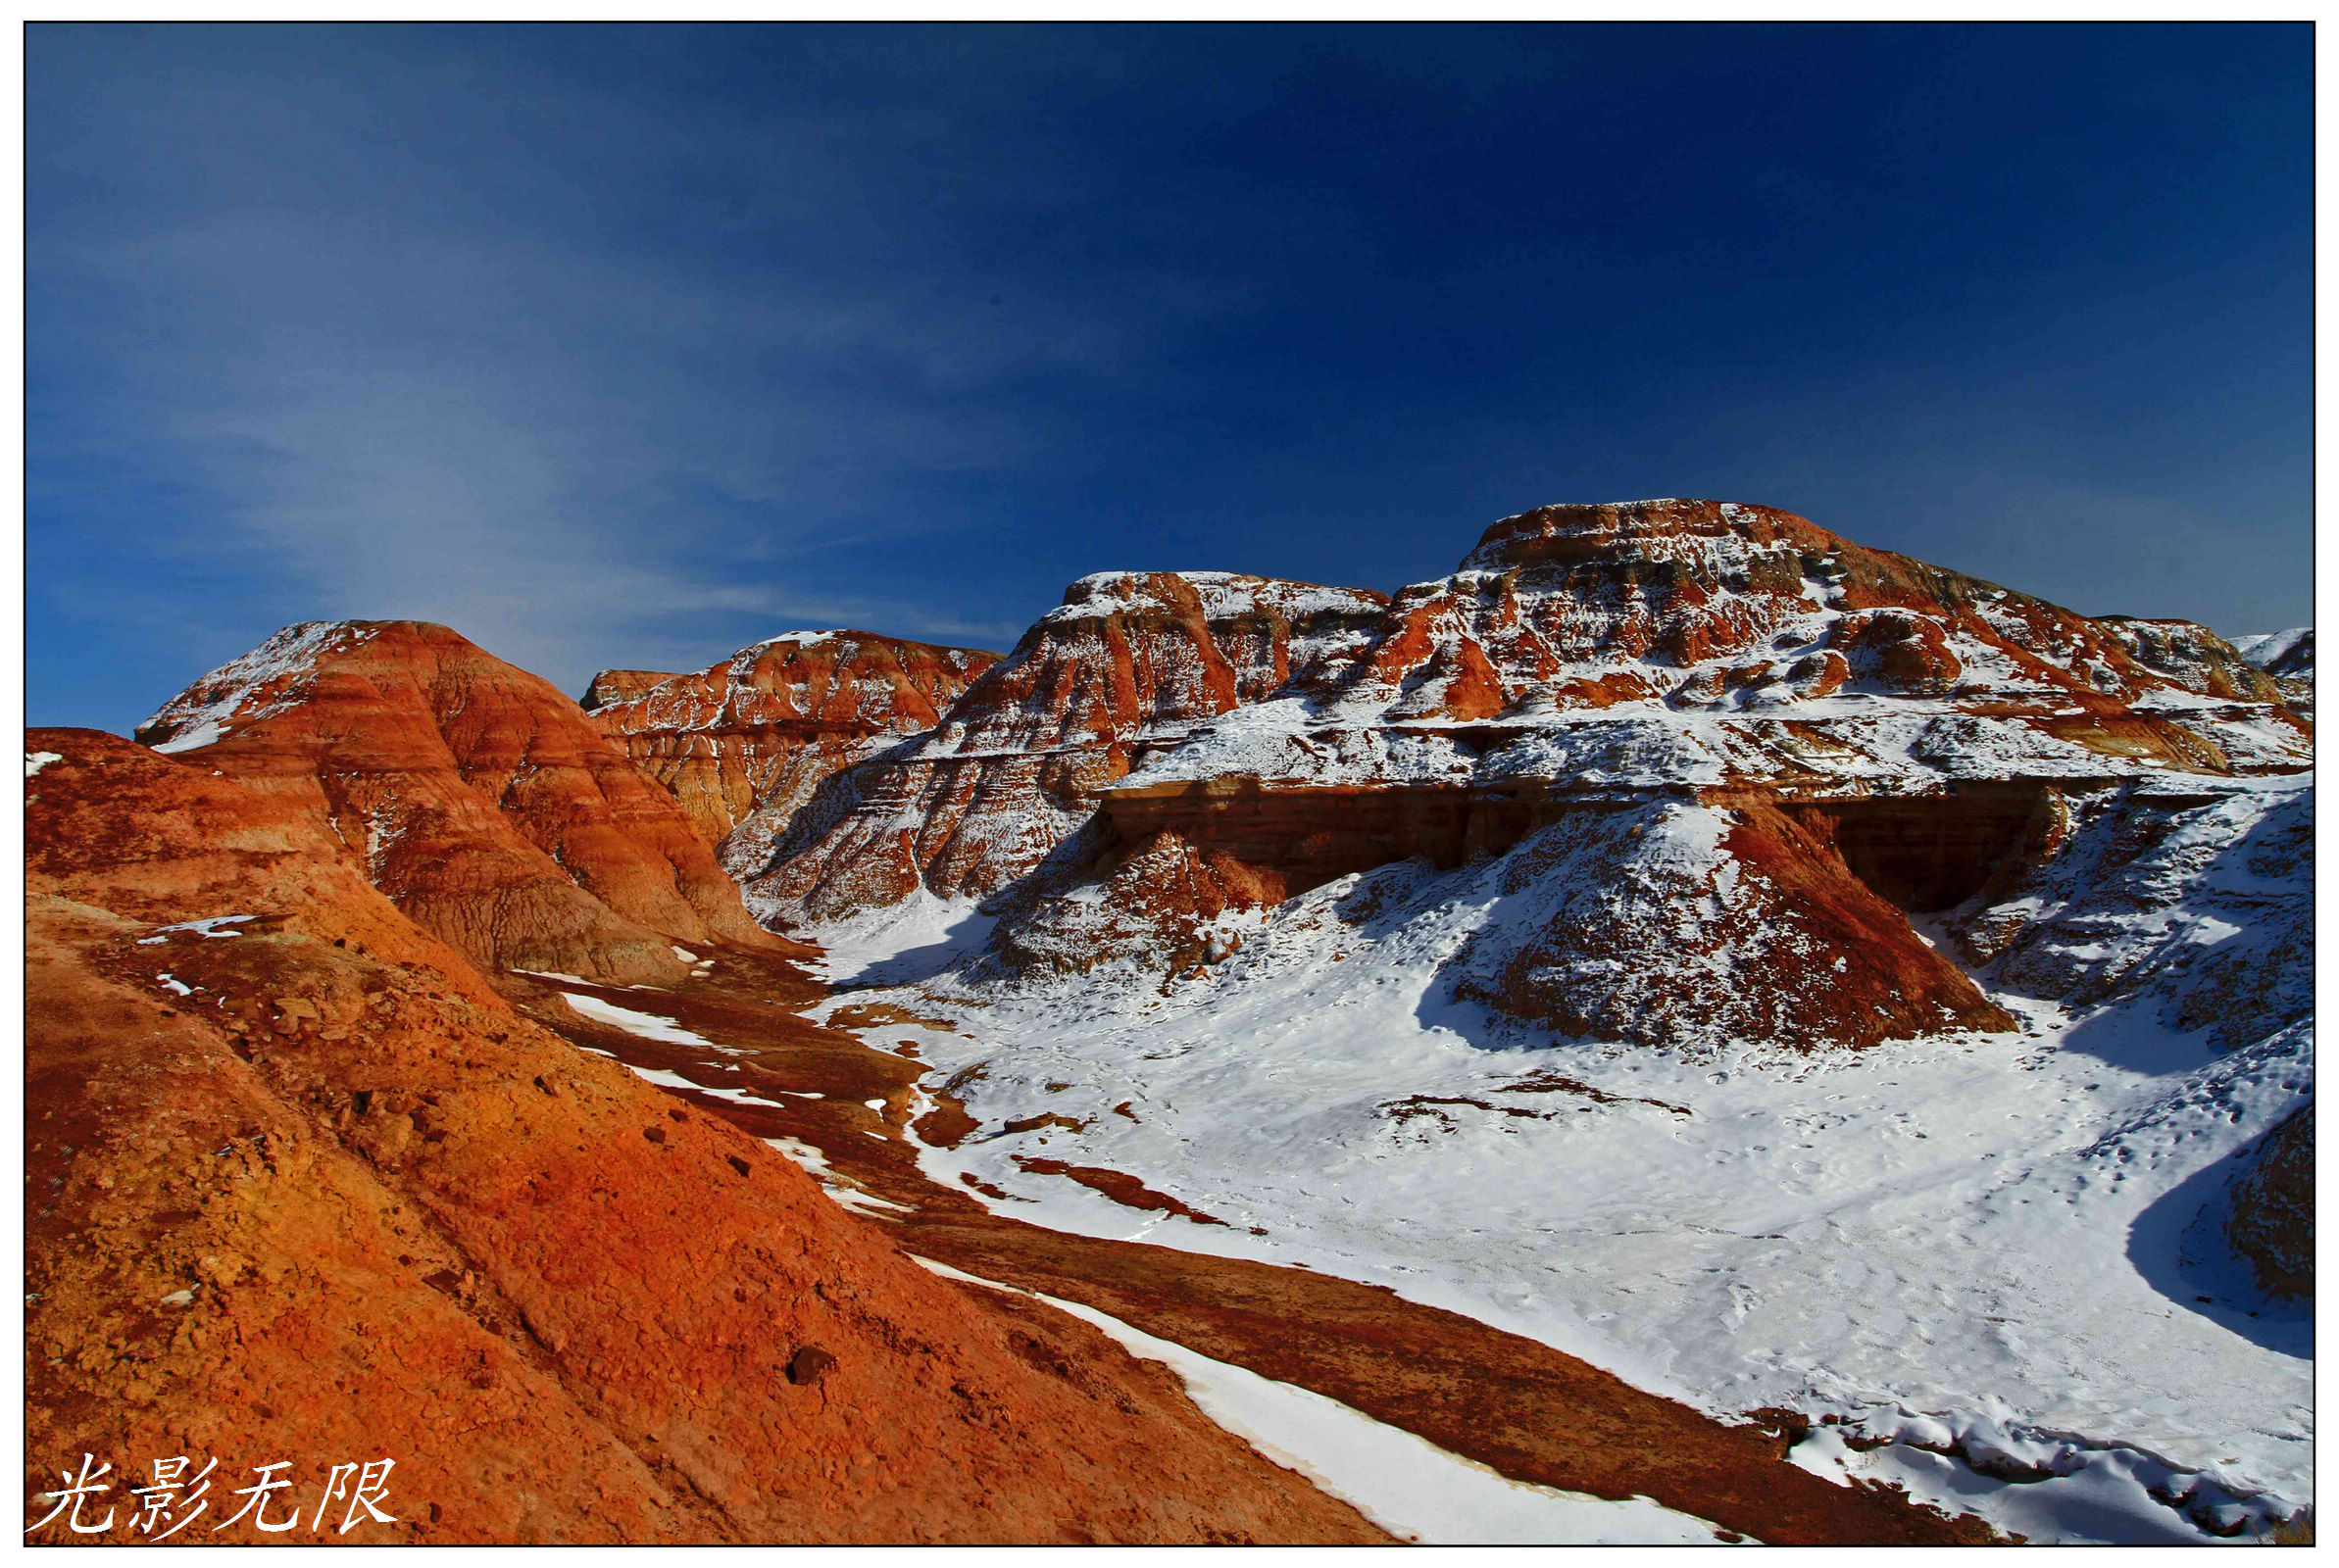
(430, 371)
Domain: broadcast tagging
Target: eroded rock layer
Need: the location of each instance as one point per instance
(1868, 734)
(1128, 664)
(743, 745)
(481, 799)
(304, 1186)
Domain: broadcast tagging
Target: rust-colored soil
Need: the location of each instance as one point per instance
(1119, 1186)
(325, 1196)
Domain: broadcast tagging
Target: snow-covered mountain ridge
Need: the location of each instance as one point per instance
(1787, 973)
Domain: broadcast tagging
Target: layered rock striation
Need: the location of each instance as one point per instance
(1867, 735)
(744, 743)
(481, 799)
(304, 1186)
(1131, 664)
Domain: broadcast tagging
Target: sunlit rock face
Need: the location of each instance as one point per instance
(1131, 664)
(381, 1203)
(744, 743)
(1870, 735)
(481, 799)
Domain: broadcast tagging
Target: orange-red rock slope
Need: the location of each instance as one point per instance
(481, 799)
(314, 1191)
(743, 745)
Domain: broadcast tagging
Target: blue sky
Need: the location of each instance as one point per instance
(615, 347)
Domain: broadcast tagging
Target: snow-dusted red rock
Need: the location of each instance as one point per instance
(744, 743)
(482, 798)
(1166, 747)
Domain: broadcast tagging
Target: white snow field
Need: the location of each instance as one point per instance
(2002, 1250)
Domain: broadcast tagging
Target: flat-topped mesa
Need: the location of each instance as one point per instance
(1717, 604)
(1604, 655)
(1582, 650)
(1812, 652)
(1868, 734)
(743, 744)
(1569, 533)
(485, 804)
(1130, 662)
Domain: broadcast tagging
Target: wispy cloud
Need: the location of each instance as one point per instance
(476, 379)
(625, 347)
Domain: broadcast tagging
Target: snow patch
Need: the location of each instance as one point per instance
(643, 1025)
(265, 681)
(215, 926)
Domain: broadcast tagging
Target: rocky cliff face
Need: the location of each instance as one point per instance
(743, 745)
(306, 1186)
(1864, 733)
(481, 799)
(2272, 1219)
(1130, 664)
(611, 686)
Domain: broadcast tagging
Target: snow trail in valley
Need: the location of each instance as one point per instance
(1409, 1487)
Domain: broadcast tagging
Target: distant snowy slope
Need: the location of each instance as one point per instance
(2282, 652)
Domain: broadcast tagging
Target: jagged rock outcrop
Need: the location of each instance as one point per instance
(2271, 1222)
(1683, 923)
(743, 745)
(302, 1186)
(482, 800)
(1878, 733)
(1130, 662)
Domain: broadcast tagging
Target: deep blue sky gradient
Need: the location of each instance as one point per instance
(625, 347)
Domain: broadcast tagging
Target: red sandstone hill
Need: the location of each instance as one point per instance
(743, 744)
(621, 686)
(302, 1186)
(482, 800)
